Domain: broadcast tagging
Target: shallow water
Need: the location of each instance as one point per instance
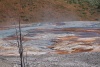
(73, 24)
(42, 34)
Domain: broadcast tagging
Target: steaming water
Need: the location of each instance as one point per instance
(76, 24)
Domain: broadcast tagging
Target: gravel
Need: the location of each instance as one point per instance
(85, 59)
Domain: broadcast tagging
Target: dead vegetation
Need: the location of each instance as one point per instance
(45, 11)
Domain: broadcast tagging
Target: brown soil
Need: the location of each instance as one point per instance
(44, 11)
(76, 50)
(61, 52)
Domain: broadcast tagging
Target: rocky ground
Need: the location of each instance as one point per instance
(54, 41)
(87, 59)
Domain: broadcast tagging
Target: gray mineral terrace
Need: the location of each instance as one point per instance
(64, 44)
